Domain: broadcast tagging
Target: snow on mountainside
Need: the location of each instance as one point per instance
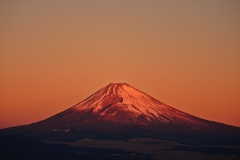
(120, 102)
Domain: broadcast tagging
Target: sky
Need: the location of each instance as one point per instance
(55, 53)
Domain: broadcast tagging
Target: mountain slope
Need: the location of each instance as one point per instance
(120, 103)
(121, 111)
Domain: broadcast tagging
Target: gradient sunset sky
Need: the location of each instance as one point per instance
(55, 53)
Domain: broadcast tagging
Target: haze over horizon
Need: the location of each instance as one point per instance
(54, 54)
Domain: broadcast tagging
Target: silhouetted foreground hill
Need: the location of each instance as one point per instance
(20, 147)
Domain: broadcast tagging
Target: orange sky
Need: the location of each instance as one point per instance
(56, 53)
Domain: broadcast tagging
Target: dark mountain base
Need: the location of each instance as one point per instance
(108, 131)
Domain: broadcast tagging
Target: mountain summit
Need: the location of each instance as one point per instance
(121, 103)
(122, 111)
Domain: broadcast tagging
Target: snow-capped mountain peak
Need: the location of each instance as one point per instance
(120, 111)
(122, 103)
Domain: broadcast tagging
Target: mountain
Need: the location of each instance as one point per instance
(120, 111)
